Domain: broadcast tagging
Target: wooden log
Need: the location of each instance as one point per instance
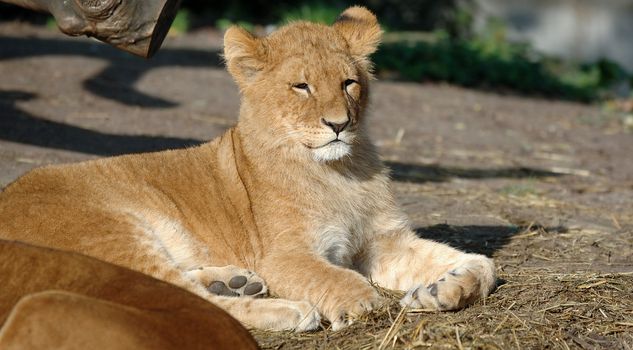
(135, 26)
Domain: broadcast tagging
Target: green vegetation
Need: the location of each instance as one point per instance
(182, 22)
(313, 12)
(224, 24)
(519, 189)
(51, 23)
(490, 61)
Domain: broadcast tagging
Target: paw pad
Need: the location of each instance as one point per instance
(238, 281)
(433, 289)
(219, 288)
(237, 286)
(230, 280)
(253, 288)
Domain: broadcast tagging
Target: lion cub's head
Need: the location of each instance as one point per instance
(304, 87)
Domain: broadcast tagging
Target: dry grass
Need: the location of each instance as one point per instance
(534, 310)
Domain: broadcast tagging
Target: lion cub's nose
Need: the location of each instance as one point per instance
(336, 127)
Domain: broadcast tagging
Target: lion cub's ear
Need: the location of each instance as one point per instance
(361, 30)
(244, 54)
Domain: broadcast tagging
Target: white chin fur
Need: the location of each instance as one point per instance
(331, 151)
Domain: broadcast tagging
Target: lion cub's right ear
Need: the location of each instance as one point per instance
(361, 30)
(244, 54)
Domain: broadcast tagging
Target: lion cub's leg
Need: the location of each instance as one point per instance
(230, 281)
(435, 275)
(272, 314)
(340, 294)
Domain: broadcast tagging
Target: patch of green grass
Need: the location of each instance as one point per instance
(519, 190)
(51, 23)
(182, 22)
(224, 24)
(627, 122)
(313, 12)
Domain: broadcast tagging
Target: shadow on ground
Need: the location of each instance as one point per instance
(116, 81)
(22, 127)
(480, 239)
(417, 173)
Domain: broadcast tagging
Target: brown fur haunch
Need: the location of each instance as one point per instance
(59, 300)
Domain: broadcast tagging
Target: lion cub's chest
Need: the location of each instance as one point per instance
(339, 232)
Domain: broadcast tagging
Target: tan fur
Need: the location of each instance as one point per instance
(314, 219)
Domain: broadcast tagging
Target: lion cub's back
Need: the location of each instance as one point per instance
(60, 205)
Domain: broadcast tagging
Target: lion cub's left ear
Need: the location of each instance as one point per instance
(360, 29)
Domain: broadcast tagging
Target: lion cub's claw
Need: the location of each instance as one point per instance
(457, 288)
(310, 320)
(287, 315)
(353, 306)
(230, 281)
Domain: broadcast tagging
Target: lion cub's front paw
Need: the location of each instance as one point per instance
(230, 281)
(472, 279)
(348, 303)
(308, 318)
(281, 314)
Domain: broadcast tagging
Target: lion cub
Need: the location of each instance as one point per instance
(293, 199)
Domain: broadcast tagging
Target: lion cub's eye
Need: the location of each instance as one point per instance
(302, 88)
(351, 88)
(349, 82)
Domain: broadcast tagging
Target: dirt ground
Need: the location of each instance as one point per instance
(544, 187)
